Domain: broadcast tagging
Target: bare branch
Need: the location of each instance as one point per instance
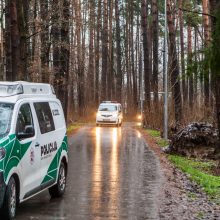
(196, 12)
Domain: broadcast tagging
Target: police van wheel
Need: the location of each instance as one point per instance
(59, 189)
(10, 201)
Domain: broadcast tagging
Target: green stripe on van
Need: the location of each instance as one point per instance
(15, 152)
(53, 168)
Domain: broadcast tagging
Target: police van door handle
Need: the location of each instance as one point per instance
(37, 145)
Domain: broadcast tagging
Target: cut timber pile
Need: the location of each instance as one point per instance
(195, 140)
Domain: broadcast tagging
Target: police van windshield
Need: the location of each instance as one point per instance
(6, 110)
(108, 108)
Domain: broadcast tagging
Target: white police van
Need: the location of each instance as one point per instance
(33, 144)
(109, 113)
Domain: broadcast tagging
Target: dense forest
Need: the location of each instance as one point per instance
(94, 50)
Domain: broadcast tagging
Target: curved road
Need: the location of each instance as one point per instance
(112, 175)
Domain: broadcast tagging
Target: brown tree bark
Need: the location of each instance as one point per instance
(133, 69)
(79, 63)
(22, 11)
(2, 49)
(97, 51)
(12, 43)
(189, 68)
(55, 39)
(174, 66)
(215, 27)
(183, 75)
(8, 45)
(91, 70)
(155, 50)
(105, 52)
(206, 25)
(144, 6)
(110, 74)
(45, 40)
(64, 56)
(119, 54)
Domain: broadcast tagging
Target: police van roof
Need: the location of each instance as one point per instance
(21, 89)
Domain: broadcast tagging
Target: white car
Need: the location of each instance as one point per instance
(33, 144)
(109, 113)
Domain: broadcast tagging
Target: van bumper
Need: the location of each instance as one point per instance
(2, 189)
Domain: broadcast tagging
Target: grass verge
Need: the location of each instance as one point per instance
(156, 135)
(74, 127)
(199, 171)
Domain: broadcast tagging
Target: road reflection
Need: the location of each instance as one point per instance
(114, 173)
(107, 139)
(97, 173)
(139, 134)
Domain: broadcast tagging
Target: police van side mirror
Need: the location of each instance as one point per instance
(28, 133)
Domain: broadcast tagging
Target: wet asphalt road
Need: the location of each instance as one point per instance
(112, 175)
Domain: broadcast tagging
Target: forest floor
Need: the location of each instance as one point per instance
(181, 198)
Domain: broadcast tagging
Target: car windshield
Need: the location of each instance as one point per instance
(108, 108)
(6, 110)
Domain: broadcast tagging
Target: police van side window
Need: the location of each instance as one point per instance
(25, 125)
(44, 116)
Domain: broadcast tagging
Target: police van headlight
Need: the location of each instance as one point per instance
(2, 153)
(10, 90)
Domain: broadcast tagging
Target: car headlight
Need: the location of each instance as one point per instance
(2, 153)
(98, 114)
(140, 117)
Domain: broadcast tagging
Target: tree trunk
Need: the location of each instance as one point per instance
(119, 55)
(189, 68)
(91, 70)
(2, 50)
(155, 50)
(206, 25)
(144, 6)
(215, 68)
(110, 76)
(80, 68)
(64, 56)
(12, 41)
(45, 41)
(97, 52)
(8, 45)
(104, 51)
(55, 38)
(174, 67)
(22, 7)
(183, 75)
